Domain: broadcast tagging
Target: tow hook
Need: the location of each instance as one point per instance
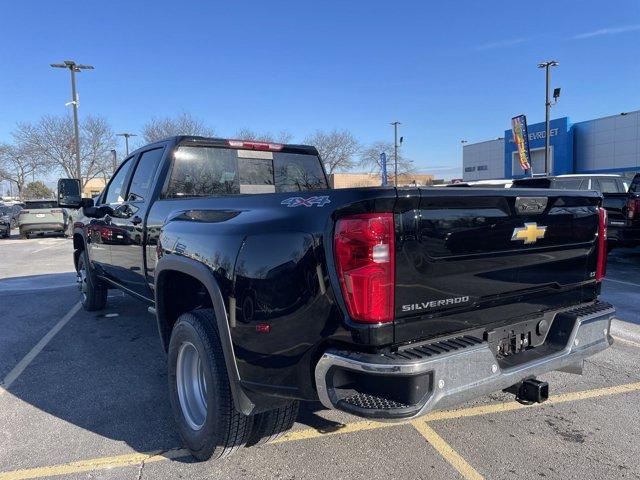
(530, 391)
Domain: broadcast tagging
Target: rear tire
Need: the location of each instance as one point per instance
(199, 389)
(268, 426)
(94, 293)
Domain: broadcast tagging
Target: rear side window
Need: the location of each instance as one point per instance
(42, 205)
(635, 185)
(569, 184)
(208, 171)
(143, 176)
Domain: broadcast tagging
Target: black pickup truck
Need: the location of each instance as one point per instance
(270, 288)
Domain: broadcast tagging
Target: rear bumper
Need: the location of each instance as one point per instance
(42, 227)
(431, 377)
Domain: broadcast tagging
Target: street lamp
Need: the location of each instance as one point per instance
(126, 136)
(395, 151)
(556, 94)
(73, 68)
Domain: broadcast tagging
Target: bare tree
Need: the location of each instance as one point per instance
(16, 164)
(184, 124)
(337, 148)
(51, 142)
(247, 134)
(37, 189)
(370, 158)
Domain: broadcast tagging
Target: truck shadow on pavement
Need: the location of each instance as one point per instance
(105, 372)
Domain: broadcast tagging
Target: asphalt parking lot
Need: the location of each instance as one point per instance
(84, 396)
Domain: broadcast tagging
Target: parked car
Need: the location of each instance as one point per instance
(270, 288)
(40, 216)
(5, 221)
(13, 212)
(621, 201)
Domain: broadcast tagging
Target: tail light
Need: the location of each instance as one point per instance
(24, 211)
(276, 147)
(365, 261)
(633, 206)
(601, 269)
(56, 211)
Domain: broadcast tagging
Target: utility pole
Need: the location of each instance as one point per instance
(126, 136)
(547, 112)
(73, 68)
(395, 152)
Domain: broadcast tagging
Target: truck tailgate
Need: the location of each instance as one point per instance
(467, 259)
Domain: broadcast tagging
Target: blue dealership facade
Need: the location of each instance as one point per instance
(604, 145)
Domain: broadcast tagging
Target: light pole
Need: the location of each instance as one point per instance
(126, 136)
(73, 68)
(395, 152)
(547, 111)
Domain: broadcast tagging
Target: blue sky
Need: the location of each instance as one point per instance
(448, 70)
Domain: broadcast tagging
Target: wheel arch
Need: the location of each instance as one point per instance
(171, 267)
(79, 244)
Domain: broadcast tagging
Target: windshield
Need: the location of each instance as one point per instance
(5, 210)
(210, 171)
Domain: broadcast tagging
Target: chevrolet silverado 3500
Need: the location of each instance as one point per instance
(269, 287)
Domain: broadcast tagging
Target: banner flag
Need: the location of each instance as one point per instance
(521, 138)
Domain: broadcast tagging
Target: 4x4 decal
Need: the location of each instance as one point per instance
(319, 201)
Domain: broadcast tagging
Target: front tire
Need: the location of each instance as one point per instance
(201, 399)
(94, 293)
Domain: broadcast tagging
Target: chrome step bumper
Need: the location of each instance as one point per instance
(446, 373)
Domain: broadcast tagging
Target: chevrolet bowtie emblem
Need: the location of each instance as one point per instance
(530, 233)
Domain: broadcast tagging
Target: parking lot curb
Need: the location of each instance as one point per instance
(625, 331)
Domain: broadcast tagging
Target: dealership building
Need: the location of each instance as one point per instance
(604, 145)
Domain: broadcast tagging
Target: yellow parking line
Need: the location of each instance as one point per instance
(102, 463)
(444, 449)
(308, 433)
(297, 435)
(511, 406)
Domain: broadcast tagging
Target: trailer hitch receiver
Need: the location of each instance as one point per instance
(530, 391)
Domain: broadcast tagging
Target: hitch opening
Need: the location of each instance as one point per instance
(530, 391)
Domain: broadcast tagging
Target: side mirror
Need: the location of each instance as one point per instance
(69, 195)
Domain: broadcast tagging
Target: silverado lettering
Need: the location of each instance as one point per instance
(434, 304)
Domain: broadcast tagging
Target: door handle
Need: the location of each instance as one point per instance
(136, 220)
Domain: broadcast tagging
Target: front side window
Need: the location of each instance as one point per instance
(143, 176)
(116, 189)
(210, 171)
